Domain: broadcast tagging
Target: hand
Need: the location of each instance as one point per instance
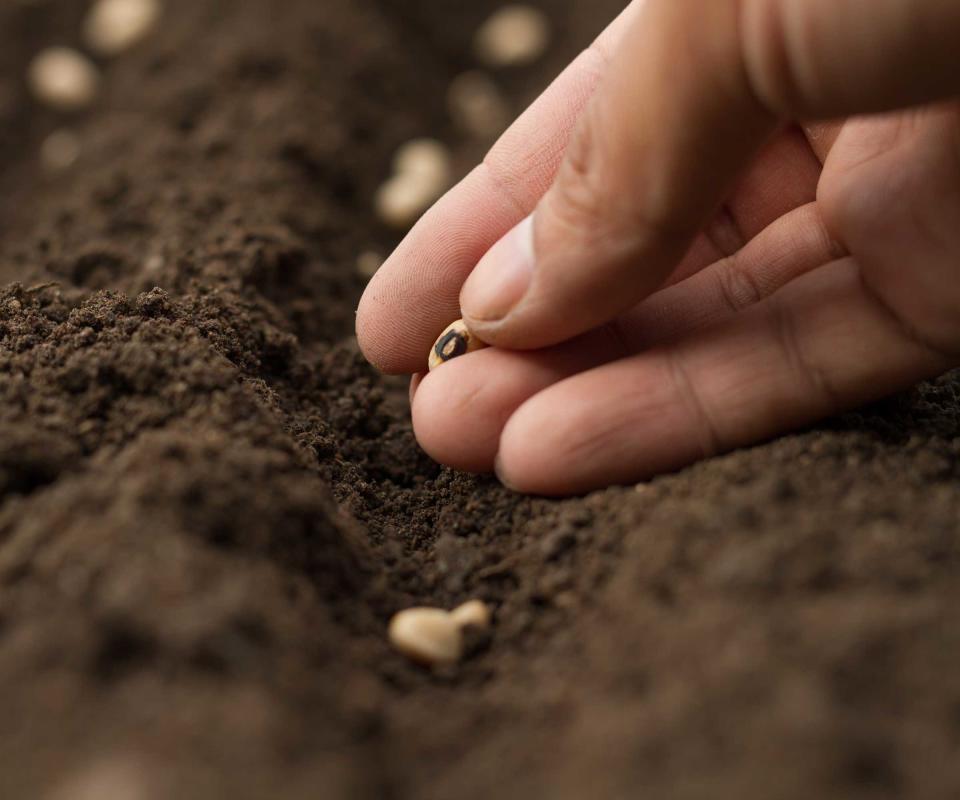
(700, 271)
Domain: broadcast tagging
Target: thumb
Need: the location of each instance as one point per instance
(694, 91)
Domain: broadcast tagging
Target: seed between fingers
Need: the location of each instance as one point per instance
(457, 340)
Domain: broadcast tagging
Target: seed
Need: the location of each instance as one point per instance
(513, 36)
(117, 777)
(113, 26)
(425, 157)
(59, 150)
(474, 613)
(63, 78)
(477, 105)
(422, 172)
(428, 636)
(432, 636)
(401, 201)
(368, 262)
(455, 341)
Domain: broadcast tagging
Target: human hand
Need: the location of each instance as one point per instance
(636, 327)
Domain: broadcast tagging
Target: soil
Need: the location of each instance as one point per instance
(210, 505)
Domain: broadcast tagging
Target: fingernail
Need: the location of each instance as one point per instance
(414, 385)
(498, 471)
(502, 277)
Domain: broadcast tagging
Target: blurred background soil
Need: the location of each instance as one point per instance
(210, 506)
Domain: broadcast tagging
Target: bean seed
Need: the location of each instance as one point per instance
(455, 341)
(402, 200)
(513, 36)
(422, 172)
(59, 151)
(115, 777)
(112, 26)
(474, 613)
(368, 262)
(429, 636)
(424, 157)
(63, 78)
(477, 105)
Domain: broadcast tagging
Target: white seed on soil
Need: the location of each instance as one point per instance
(63, 78)
(402, 200)
(513, 36)
(429, 636)
(455, 341)
(434, 637)
(153, 263)
(474, 613)
(426, 157)
(368, 262)
(422, 173)
(59, 151)
(112, 26)
(477, 105)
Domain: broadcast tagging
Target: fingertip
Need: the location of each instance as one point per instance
(556, 444)
(415, 293)
(369, 332)
(500, 470)
(380, 337)
(559, 465)
(460, 408)
(530, 457)
(447, 423)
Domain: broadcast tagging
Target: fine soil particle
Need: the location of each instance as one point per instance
(210, 507)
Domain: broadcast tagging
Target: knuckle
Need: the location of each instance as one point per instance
(686, 389)
(576, 199)
(588, 199)
(808, 372)
(737, 287)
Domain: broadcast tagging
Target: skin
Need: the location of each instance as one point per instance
(724, 221)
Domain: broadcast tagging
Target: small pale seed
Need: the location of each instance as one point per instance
(60, 150)
(63, 78)
(422, 173)
(368, 262)
(429, 636)
(403, 199)
(513, 36)
(475, 613)
(477, 105)
(113, 778)
(112, 26)
(427, 157)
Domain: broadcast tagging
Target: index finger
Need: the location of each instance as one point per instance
(416, 292)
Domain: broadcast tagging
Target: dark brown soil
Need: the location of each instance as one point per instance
(210, 506)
